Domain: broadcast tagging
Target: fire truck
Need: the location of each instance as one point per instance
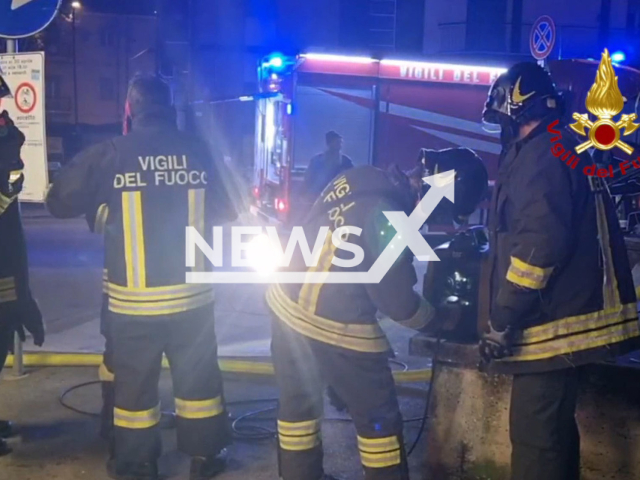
(386, 109)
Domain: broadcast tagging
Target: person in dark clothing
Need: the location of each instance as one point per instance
(328, 334)
(156, 182)
(561, 289)
(325, 166)
(18, 309)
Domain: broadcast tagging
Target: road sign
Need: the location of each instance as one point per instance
(542, 37)
(23, 18)
(24, 73)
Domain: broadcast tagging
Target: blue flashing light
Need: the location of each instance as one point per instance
(289, 109)
(618, 56)
(276, 62)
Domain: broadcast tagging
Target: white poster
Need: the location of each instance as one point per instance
(24, 73)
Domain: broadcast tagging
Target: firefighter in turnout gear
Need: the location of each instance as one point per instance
(328, 334)
(156, 182)
(18, 309)
(561, 289)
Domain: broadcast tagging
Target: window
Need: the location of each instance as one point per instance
(107, 89)
(53, 86)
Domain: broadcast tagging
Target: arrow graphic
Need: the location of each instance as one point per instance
(15, 4)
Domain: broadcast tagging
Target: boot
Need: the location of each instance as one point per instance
(5, 449)
(205, 468)
(106, 415)
(6, 429)
(139, 471)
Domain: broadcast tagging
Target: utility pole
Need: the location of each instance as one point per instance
(18, 357)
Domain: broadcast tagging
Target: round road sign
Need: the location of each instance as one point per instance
(26, 97)
(542, 38)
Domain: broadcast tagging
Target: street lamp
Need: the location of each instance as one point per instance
(75, 5)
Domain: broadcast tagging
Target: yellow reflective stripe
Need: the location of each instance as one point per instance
(194, 409)
(101, 218)
(196, 220)
(167, 292)
(526, 275)
(7, 282)
(421, 318)
(381, 460)
(8, 296)
(609, 282)
(5, 202)
(378, 445)
(577, 343)
(160, 307)
(638, 292)
(362, 338)
(578, 324)
(105, 281)
(134, 248)
(136, 419)
(306, 427)
(309, 292)
(299, 436)
(104, 374)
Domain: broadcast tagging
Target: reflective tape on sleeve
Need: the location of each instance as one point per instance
(527, 275)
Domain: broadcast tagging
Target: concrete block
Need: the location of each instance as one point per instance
(468, 434)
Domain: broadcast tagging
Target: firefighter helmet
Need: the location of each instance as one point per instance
(471, 181)
(523, 93)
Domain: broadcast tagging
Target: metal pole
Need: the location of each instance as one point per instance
(18, 363)
(75, 70)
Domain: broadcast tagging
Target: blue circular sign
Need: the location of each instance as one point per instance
(23, 18)
(542, 38)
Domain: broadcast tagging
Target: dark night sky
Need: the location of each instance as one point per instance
(132, 7)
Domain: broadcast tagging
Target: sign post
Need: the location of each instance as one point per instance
(542, 39)
(20, 19)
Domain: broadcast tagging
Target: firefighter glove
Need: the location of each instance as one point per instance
(496, 344)
(30, 318)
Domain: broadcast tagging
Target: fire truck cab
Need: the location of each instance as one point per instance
(386, 110)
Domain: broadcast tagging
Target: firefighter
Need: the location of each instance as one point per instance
(327, 334)
(18, 309)
(561, 289)
(156, 182)
(325, 166)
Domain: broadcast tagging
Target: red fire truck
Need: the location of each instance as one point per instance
(386, 110)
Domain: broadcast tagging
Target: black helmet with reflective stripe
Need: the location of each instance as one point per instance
(523, 93)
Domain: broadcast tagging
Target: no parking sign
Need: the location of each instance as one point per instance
(542, 38)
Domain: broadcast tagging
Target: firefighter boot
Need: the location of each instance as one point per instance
(204, 468)
(106, 415)
(6, 429)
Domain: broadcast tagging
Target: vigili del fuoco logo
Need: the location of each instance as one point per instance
(604, 101)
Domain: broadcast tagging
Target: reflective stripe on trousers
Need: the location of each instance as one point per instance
(194, 409)
(299, 436)
(136, 419)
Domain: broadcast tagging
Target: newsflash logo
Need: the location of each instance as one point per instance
(267, 248)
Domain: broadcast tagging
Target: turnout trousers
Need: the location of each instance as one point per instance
(363, 382)
(189, 342)
(544, 434)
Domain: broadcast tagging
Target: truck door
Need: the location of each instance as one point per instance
(271, 157)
